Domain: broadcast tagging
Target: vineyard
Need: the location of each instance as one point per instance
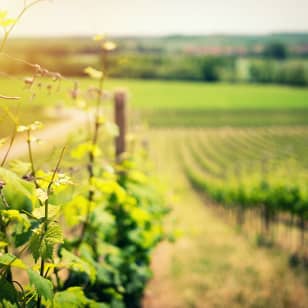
(225, 255)
(256, 174)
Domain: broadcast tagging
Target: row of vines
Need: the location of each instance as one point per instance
(76, 229)
(256, 177)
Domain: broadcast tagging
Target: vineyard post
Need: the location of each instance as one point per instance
(120, 99)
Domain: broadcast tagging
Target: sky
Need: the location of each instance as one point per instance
(159, 17)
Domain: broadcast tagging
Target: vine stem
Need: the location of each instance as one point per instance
(11, 28)
(3, 229)
(33, 171)
(46, 204)
(3, 199)
(8, 31)
(91, 163)
(9, 97)
(12, 139)
(13, 136)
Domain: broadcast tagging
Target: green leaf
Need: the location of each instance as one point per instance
(94, 304)
(3, 244)
(54, 233)
(77, 264)
(7, 292)
(75, 211)
(18, 192)
(43, 286)
(60, 181)
(15, 216)
(7, 304)
(53, 212)
(93, 73)
(11, 214)
(4, 20)
(42, 242)
(7, 22)
(109, 186)
(22, 238)
(20, 167)
(84, 149)
(11, 260)
(35, 244)
(72, 297)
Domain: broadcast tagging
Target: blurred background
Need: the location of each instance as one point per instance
(220, 90)
(234, 41)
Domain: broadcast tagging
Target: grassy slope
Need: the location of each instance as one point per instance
(212, 265)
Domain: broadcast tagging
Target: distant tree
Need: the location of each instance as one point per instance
(262, 71)
(296, 75)
(210, 68)
(276, 51)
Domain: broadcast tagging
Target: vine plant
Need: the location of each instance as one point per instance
(110, 211)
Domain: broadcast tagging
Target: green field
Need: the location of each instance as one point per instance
(149, 94)
(205, 96)
(177, 104)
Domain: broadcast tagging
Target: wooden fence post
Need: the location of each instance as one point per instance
(120, 120)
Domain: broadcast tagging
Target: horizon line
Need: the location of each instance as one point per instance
(162, 35)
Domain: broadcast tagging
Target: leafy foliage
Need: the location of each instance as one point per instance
(43, 240)
(113, 213)
(43, 286)
(72, 297)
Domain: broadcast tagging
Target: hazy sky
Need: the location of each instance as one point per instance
(53, 17)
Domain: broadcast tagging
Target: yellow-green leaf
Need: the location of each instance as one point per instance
(93, 73)
(11, 260)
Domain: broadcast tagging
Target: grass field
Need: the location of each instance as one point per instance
(177, 104)
(178, 95)
(202, 96)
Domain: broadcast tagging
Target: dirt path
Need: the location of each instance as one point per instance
(212, 264)
(51, 135)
